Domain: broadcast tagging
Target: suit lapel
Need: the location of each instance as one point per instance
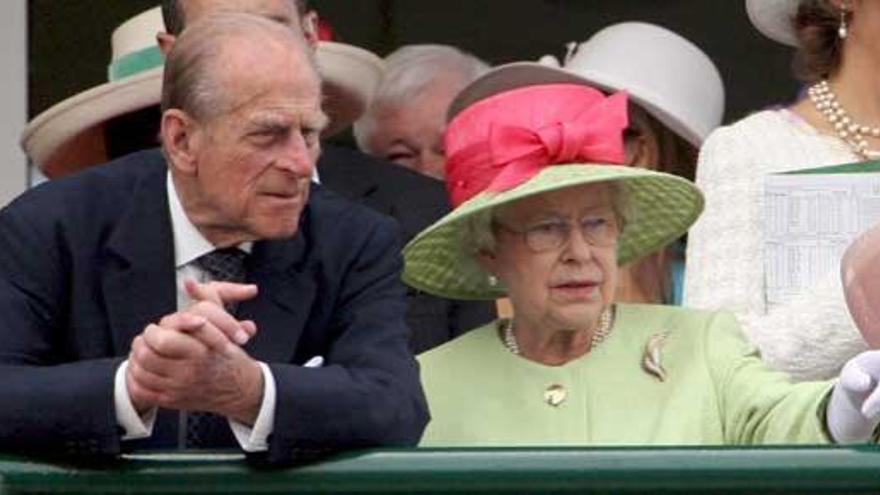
(286, 293)
(137, 269)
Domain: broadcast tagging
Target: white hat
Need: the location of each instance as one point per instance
(664, 73)
(69, 136)
(773, 19)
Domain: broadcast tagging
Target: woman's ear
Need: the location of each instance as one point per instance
(182, 140)
(642, 150)
(487, 260)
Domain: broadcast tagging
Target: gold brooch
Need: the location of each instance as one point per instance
(652, 359)
(555, 395)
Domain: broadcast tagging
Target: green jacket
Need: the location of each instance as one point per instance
(716, 389)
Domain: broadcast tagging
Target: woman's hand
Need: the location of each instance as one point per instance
(854, 409)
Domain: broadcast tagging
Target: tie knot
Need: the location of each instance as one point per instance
(225, 265)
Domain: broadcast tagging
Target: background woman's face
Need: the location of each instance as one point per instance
(563, 288)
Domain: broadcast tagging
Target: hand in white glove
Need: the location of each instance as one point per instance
(854, 409)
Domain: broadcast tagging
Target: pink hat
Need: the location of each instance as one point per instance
(504, 140)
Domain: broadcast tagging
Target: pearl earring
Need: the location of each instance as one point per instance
(842, 30)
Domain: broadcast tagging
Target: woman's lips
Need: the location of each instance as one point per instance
(579, 290)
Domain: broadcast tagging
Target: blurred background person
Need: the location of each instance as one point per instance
(836, 120)
(405, 120)
(544, 214)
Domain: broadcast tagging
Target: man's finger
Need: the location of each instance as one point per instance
(213, 338)
(146, 378)
(220, 293)
(182, 321)
(149, 360)
(172, 343)
(216, 315)
(249, 326)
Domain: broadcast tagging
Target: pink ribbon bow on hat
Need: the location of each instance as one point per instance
(512, 155)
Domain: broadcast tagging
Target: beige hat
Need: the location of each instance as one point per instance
(773, 19)
(69, 136)
(667, 75)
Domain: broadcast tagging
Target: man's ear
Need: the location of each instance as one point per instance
(310, 28)
(182, 140)
(165, 42)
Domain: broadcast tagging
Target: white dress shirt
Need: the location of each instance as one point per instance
(189, 245)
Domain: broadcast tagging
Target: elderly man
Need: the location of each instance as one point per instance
(122, 312)
(413, 200)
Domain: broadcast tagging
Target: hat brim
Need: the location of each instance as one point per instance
(351, 76)
(519, 74)
(661, 207)
(69, 136)
(773, 19)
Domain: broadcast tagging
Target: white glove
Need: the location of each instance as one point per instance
(854, 409)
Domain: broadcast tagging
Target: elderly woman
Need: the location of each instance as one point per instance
(544, 216)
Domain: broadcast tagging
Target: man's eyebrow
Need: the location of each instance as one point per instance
(268, 122)
(317, 121)
(284, 20)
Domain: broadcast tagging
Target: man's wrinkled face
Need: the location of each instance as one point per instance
(256, 157)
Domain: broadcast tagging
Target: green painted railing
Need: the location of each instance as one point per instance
(562, 470)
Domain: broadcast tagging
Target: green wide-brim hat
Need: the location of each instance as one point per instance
(659, 208)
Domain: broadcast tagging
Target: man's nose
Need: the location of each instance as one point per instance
(296, 157)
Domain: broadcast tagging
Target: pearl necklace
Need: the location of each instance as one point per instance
(849, 131)
(601, 333)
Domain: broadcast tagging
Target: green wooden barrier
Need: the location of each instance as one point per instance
(473, 471)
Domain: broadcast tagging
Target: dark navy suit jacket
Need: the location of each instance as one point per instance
(416, 202)
(86, 262)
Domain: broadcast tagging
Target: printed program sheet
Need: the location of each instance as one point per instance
(810, 219)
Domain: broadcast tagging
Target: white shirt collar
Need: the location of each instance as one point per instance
(189, 243)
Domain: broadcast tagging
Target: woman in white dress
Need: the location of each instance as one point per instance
(835, 121)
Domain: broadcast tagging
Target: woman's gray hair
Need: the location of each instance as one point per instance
(409, 72)
(477, 232)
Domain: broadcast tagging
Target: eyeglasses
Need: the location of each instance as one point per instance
(598, 230)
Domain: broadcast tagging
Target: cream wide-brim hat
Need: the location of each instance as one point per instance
(665, 74)
(773, 19)
(70, 135)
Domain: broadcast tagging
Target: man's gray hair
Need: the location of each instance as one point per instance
(174, 15)
(410, 71)
(191, 81)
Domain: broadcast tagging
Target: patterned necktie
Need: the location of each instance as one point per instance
(223, 265)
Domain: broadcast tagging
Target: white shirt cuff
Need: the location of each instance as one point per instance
(255, 439)
(135, 425)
